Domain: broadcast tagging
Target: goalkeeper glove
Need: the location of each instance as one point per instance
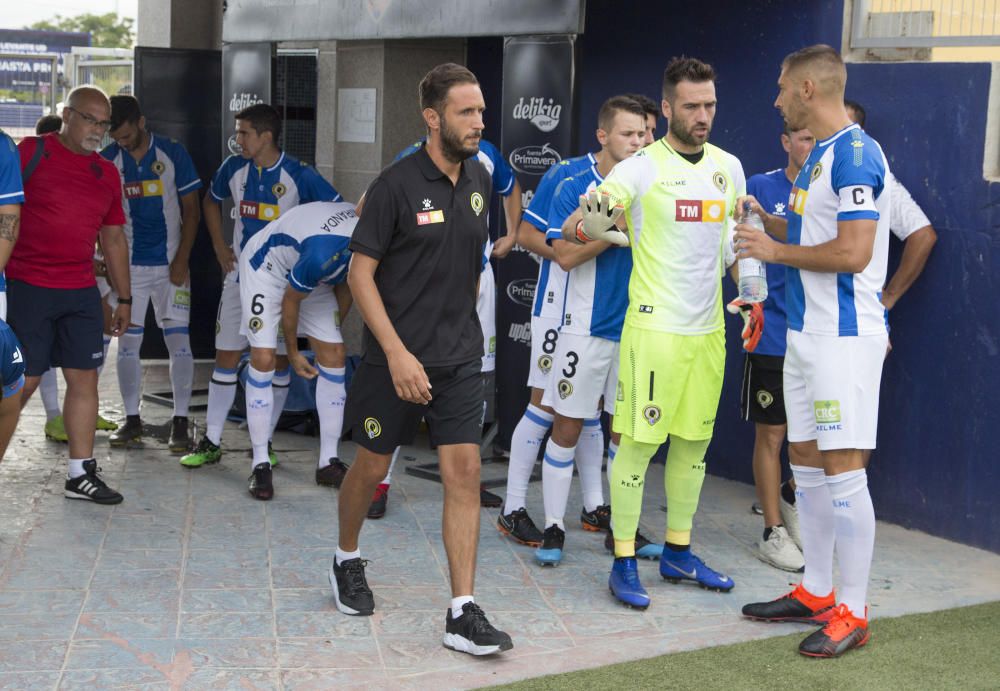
(599, 218)
(753, 321)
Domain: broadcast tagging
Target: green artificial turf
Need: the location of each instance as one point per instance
(951, 649)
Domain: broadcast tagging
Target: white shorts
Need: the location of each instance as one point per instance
(544, 340)
(584, 369)
(831, 388)
(260, 298)
(486, 308)
(229, 318)
(151, 284)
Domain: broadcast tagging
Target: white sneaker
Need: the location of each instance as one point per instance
(790, 519)
(779, 551)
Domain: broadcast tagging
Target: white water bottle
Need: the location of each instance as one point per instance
(753, 275)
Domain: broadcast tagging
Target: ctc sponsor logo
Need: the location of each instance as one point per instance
(522, 291)
(543, 113)
(534, 159)
(520, 333)
(828, 416)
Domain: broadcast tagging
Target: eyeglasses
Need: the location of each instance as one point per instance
(93, 122)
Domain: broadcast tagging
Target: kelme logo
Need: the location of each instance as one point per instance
(827, 412)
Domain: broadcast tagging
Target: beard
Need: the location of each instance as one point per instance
(685, 135)
(91, 143)
(454, 148)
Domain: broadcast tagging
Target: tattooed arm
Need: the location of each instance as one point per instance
(10, 223)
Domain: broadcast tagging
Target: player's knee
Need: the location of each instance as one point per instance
(333, 355)
(264, 359)
(227, 359)
(566, 431)
(771, 436)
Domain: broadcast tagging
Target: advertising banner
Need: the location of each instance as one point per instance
(537, 130)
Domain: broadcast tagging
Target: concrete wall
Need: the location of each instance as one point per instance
(179, 24)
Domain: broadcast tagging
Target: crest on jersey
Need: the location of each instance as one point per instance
(651, 414)
(373, 427)
(816, 172)
(545, 363)
(719, 180)
(278, 190)
(477, 203)
(255, 324)
(764, 399)
(564, 388)
(158, 167)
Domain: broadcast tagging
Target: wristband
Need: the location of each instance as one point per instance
(124, 301)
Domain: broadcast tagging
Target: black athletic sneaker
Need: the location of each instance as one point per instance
(350, 589)
(644, 549)
(260, 482)
(131, 431)
(91, 487)
(519, 527)
(179, 441)
(597, 520)
(488, 499)
(473, 633)
(332, 475)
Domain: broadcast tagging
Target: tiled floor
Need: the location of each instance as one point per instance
(190, 583)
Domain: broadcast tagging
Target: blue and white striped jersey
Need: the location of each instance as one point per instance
(306, 246)
(597, 290)
(262, 195)
(843, 179)
(152, 189)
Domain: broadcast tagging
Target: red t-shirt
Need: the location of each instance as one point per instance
(67, 200)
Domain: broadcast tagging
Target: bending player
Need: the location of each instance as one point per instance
(292, 276)
(263, 182)
(838, 236)
(585, 363)
(677, 195)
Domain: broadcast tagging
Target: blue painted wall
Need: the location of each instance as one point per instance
(937, 464)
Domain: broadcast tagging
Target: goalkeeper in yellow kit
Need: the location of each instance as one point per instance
(677, 195)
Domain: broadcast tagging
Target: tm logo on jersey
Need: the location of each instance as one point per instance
(143, 188)
(827, 415)
(259, 210)
(699, 210)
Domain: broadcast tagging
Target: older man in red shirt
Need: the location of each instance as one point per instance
(72, 197)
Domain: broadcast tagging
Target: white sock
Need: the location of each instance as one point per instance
(387, 480)
(75, 467)
(107, 344)
(330, 398)
(178, 341)
(260, 402)
(589, 458)
(557, 475)
(524, 443)
(456, 604)
(282, 380)
(815, 507)
(130, 368)
(48, 388)
(343, 556)
(221, 394)
(854, 523)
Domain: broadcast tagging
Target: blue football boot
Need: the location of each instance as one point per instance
(550, 553)
(685, 566)
(624, 583)
(644, 549)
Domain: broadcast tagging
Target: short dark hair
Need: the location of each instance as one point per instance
(825, 58)
(124, 109)
(685, 69)
(859, 110)
(48, 123)
(611, 107)
(649, 106)
(436, 84)
(263, 118)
